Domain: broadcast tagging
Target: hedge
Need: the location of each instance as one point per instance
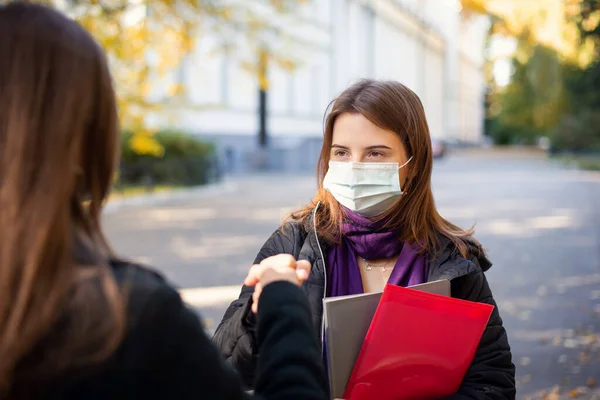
(186, 161)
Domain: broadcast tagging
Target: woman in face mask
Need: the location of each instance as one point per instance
(373, 221)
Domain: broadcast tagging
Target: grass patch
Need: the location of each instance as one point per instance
(591, 164)
(587, 162)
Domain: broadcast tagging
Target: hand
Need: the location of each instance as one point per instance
(282, 267)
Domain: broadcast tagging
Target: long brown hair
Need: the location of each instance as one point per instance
(58, 143)
(394, 107)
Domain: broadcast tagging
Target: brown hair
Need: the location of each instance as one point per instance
(394, 107)
(58, 142)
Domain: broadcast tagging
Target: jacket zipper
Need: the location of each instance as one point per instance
(324, 274)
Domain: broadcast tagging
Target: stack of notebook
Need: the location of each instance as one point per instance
(404, 343)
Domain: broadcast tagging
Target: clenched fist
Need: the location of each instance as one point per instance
(282, 267)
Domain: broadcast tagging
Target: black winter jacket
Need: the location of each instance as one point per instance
(166, 353)
(492, 373)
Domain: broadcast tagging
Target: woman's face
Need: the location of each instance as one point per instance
(357, 139)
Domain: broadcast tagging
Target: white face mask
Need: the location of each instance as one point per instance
(368, 189)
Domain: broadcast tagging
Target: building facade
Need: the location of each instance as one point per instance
(427, 45)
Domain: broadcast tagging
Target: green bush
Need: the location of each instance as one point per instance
(578, 132)
(186, 161)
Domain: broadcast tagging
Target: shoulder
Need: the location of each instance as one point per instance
(135, 276)
(291, 233)
(145, 289)
(289, 238)
(450, 255)
(461, 269)
(295, 228)
(467, 272)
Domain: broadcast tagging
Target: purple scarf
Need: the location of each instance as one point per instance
(364, 238)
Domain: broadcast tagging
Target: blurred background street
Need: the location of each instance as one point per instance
(539, 220)
(222, 105)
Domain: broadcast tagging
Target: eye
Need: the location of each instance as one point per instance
(376, 154)
(340, 153)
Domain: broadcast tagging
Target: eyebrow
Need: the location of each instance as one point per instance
(380, 146)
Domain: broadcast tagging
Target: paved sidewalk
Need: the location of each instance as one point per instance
(539, 221)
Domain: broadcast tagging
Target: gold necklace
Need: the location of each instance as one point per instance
(369, 266)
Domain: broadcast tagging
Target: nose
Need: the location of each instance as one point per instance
(357, 158)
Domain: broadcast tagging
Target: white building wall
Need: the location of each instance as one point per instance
(422, 43)
(463, 72)
(471, 85)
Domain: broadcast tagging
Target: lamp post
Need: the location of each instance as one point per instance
(263, 85)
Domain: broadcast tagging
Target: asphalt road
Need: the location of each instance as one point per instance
(539, 221)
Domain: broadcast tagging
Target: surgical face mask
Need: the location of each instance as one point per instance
(368, 189)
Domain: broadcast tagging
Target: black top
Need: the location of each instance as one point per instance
(167, 354)
(492, 372)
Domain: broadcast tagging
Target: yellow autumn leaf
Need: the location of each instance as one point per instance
(176, 90)
(263, 83)
(287, 65)
(144, 144)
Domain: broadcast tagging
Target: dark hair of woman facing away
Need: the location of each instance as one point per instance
(75, 321)
(58, 138)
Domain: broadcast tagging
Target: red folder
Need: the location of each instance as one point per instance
(419, 346)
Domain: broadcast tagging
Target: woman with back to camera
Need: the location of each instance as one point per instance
(76, 323)
(373, 221)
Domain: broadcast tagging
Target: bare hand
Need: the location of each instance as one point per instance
(282, 267)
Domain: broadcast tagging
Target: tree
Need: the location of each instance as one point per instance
(145, 39)
(555, 78)
(548, 23)
(533, 102)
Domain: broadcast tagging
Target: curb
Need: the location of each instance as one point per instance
(499, 152)
(169, 197)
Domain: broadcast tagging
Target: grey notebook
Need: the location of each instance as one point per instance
(347, 320)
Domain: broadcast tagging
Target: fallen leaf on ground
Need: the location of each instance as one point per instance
(582, 390)
(554, 394)
(526, 378)
(574, 393)
(525, 361)
(592, 383)
(584, 357)
(589, 339)
(557, 340)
